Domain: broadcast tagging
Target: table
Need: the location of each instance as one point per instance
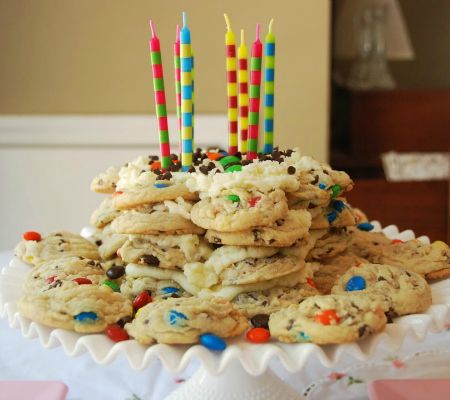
(23, 359)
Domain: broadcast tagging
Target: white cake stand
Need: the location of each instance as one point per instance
(242, 370)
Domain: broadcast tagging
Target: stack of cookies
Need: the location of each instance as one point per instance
(270, 240)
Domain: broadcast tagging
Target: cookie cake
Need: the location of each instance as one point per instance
(210, 244)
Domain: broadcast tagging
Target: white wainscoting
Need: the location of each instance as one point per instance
(48, 162)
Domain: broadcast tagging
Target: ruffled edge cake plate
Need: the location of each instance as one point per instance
(242, 370)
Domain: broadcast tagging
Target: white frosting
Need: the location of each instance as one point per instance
(207, 274)
(138, 271)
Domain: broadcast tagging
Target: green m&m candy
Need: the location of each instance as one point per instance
(231, 163)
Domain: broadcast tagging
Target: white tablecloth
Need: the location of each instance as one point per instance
(23, 359)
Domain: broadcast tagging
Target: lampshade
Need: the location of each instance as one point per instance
(398, 44)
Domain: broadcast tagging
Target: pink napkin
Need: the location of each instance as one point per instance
(409, 389)
(32, 390)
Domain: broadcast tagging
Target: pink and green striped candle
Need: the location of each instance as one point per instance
(160, 97)
(254, 97)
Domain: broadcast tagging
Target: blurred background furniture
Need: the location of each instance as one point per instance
(373, 122)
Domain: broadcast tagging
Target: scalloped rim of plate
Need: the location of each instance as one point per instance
(255, 359)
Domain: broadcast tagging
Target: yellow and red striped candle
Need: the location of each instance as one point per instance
(160, 98)
(176, 62)
(230, 46)
(186, 96)
(254, 97)
(269, 92)
(243, 94)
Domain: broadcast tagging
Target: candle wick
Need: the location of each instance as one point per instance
(177, 37)
(270, 25)
(184, 19)
(152, 28)
(258, 28)
(242, 36)
(227, 21)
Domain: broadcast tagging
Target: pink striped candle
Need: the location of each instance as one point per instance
(254, 97)
(160, 98)
(177, 65)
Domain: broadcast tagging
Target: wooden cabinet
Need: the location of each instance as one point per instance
(374, 122)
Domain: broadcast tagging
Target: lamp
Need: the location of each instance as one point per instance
(370, 32)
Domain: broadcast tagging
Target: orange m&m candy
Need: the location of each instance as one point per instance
(258, 335)
(31, 235)
(327, 317)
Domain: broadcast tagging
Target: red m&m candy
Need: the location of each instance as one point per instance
(82, 281)
(310, 282)
(258, 335)
(116, 333)
(327, 317)
(397, 241)
(141, 300)
(252, 202)
(31, 235)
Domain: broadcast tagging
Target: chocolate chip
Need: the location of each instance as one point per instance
(291, 170)
(380, 279)
(167, 176)
(216, 245)
(150, 259)
(238, 154)
(289, 152)
(153, 158)
(204, 170)
(260, 321)
(363, 330)
(246, 162)
(290, 324)
(279, 222)
(157, 171)
(390, 315)
(98, 242)
(191, 170)
(116, 271)
(91, 262)
(198, 150)
(174, 156)
(122, 321)
(211, 166)
(315, 180)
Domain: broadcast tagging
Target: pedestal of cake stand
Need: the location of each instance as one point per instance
(234, 383)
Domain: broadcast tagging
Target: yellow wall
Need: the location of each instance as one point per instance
(91, 56)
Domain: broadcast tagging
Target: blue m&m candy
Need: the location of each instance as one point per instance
(213, 342)
(322, 186)
(365, 226)
(86, 316)
(355, 283)
(160, 185)
(169, 290)
(338, 205)
(331, 216)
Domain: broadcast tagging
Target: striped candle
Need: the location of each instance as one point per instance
(254, 97)
(269, 80)
(193, 96)
(176, 61)
(243, 94)
(160, 98)
(230, 46)
(186, 96)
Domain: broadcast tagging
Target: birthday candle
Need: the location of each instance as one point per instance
(176, 59)
(186, 96)
(269, 80)
(254, 97)
(193, 95)
(230, 47)
(160, 98)
(243, 94)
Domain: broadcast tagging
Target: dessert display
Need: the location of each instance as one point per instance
(227, 248)
(209, 244)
